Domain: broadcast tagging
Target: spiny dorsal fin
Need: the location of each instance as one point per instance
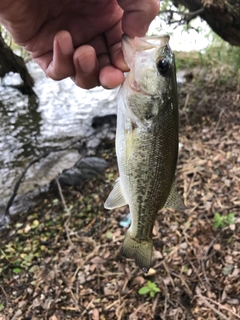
(116, 197)
(174, 200)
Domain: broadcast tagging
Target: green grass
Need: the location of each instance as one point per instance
(220, 60)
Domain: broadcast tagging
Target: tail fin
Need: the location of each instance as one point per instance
(141, 252)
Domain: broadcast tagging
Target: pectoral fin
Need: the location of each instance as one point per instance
(174, 200)
(116, 198)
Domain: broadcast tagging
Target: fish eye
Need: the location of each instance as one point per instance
(163, 66)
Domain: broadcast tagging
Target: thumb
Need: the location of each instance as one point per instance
(138, 15)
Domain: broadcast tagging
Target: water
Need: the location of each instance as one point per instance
(28, 128)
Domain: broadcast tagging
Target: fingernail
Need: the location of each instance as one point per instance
(65, 45)
(85, 67)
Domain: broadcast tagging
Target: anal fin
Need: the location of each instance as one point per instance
(174, 200)
(116, 197)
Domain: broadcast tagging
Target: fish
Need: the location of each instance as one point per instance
(146, 142)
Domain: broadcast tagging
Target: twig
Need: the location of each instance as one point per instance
(66, 209)
(168, 272)
(205, 258)
(186, 16)
(120, 313)
(206, 302)
(112, 304)
(189, 292)
(204, 273)
(125, 284)
(155, 303)
(90, 305)
(139, 308)
(224, 308)
(67, 230)
(186, 102)
(5, 294)
(62, 197)
(190, 184)
(166, 298)
(219, 119)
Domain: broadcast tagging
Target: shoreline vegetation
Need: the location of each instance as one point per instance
(60, 260)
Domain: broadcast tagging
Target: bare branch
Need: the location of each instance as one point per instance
(186, 16)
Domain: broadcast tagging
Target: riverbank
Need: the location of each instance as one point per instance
(60, 260)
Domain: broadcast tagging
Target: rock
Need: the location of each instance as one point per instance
(85, 169)
(21, 204)
(48, 169)
(99, 121)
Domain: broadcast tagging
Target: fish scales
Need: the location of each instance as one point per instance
(146, 142)
(147, 162)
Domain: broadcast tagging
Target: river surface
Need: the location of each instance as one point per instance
(29, 128)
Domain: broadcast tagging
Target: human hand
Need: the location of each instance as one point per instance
(80, 39)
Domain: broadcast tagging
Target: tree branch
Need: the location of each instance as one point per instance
(186, 16)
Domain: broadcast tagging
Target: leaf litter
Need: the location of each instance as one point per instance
(61, 260)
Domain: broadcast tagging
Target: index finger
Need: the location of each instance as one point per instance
(138, 15)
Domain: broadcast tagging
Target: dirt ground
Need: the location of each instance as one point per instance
(61, 260)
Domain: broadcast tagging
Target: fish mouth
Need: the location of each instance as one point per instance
(145, 42)
(135, 86)
(138, 89)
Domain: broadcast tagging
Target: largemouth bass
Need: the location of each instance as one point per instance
(146, 142)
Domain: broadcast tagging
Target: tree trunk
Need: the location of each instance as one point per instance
(223, 16)
(9, 61)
